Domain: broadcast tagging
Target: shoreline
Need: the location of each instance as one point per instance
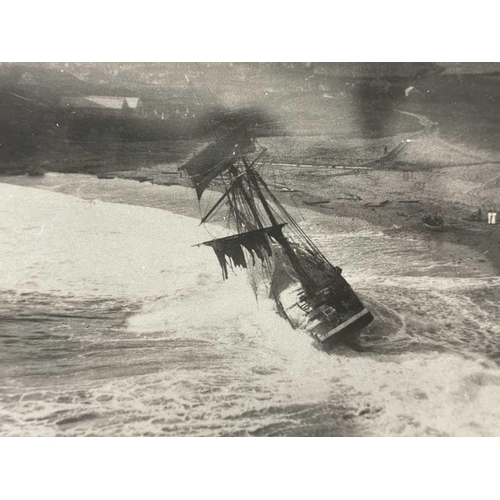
(400, 218)
(481, 240)
(421, 175)
(461, 244)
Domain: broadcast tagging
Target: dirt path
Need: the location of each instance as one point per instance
(427, 125)
(423, 120)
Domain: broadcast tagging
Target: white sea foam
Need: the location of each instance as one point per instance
(206, 358)
(58, 242)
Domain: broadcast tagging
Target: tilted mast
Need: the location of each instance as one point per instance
(311, 268)
(308, 290)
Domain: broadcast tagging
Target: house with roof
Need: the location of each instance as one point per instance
(103, 105)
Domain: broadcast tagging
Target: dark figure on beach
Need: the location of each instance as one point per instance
(385, 150)
(479, 215)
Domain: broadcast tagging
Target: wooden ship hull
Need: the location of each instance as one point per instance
(326, 322)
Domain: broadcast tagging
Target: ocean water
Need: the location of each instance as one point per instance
(113, 324)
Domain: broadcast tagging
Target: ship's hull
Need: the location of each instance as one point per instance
(349, 331)
(325, 322)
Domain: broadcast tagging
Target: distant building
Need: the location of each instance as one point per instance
(104, 105)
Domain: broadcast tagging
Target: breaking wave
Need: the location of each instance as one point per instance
(112, 324)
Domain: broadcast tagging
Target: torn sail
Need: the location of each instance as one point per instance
(217, 157)
(257, 244)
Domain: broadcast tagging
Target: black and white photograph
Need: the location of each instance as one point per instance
(250, 249)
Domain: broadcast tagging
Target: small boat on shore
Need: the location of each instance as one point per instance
(436, 229)
(434, 223)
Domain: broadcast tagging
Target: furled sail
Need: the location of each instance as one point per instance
(217, 157)
(255, 242)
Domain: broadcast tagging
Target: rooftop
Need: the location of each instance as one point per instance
(106, 102)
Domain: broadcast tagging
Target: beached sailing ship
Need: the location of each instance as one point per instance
(309, 292)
